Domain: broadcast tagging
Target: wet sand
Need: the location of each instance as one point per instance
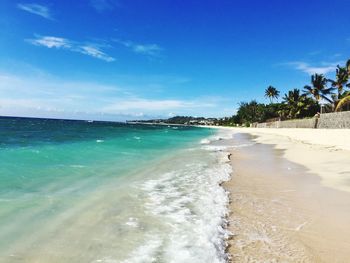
(280, 211)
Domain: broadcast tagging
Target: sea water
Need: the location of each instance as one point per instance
(79, 191)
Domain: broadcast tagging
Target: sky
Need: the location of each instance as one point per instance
(121, 60)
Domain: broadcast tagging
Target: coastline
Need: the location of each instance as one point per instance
(324, 152)
(287, 202)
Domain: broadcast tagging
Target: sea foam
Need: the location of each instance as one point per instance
(192, 205)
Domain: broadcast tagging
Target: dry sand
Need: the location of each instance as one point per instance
(290, 199)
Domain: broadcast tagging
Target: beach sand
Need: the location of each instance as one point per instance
(289, 193)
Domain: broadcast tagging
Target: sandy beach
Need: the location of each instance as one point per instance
(289, 195)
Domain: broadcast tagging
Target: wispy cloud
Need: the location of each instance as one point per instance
(95, 52)
(158, 105)
(153, 50)
(36, 9)
(323, 68)
(49, 96)
(51, 42)
(104, 5)
(92, 50)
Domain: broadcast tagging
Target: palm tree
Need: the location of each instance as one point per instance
(271, 93)
(342, 102)
(294, 104)
(341, 78)
(251, 111)
(319, 89)
(348, 70)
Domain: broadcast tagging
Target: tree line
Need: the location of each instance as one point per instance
(296, 103)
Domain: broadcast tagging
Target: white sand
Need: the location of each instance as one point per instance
(324, 152)
(279, 210)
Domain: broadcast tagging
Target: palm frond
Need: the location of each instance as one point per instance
(333, 82)
(327, 91)
(342, 103)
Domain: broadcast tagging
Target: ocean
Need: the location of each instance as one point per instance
(82, 191)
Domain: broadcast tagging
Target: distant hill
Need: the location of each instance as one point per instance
(181, 120)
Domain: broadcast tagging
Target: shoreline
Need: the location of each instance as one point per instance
(325, 152)
(282, 209)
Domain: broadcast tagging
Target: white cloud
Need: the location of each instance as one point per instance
(151, 49)
(96, 53)
(144, 49)
(36, 9)
(63, 43)
(324, 68)
(24, 103)
(155, 106)
(50, 42)
(146, 104)
(48, 96)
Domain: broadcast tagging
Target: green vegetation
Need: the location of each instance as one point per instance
(180, 120)
(343, 102)
(271, 93)
(319, 89)
(295, 104)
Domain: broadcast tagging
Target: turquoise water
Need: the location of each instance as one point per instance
(36, 152)
(78, 191)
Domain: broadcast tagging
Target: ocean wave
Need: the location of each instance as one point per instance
(219, 148)
(221, 135)
(193, 205)
(205, 141)
(132, 222)
(216, 148)
(146, 252)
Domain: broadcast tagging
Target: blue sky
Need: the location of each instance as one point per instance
(119, 59)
